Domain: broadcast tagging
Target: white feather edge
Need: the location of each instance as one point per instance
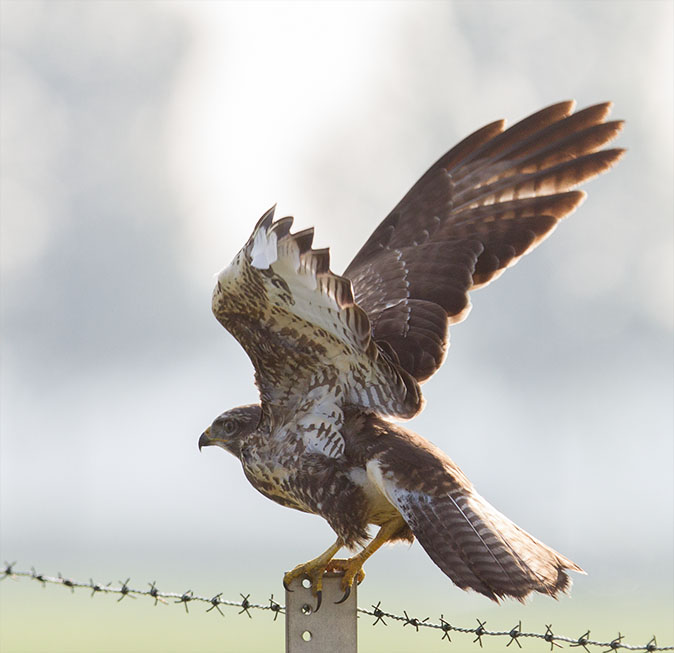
(264, 250)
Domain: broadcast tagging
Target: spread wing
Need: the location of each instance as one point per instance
(319, 341)
(475, 212)
(309, 341)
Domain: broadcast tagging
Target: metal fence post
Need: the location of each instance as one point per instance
(331, 629)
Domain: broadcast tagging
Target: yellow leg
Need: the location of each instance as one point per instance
(314, 569)
(353, 567)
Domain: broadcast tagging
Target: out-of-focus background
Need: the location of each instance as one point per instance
(140, 143)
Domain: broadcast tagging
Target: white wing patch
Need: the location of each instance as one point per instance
(263, 251)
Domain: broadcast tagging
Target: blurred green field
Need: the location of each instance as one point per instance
(53, 619)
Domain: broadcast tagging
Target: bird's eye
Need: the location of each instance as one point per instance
(229, 426)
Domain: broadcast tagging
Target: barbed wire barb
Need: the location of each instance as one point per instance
(446, 627)
(378, 614)
(154, 592)
(582, 641)
(216, 604)
(479, 631)
(275, 607)
(246, 605)
(514, 635)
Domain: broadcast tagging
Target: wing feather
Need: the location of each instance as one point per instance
(371, 336)
(488, 201)
(308, 339)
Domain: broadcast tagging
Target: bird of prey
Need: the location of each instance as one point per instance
(338, 358)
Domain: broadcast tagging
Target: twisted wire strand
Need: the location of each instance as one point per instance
(515, 634)
(124, 590)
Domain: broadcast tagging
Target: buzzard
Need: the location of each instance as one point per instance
(337, 358)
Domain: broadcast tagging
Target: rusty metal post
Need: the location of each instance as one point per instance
(331, 629)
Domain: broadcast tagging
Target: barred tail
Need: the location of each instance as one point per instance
(481, 549)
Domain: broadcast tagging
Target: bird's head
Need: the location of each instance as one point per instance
(231, 428)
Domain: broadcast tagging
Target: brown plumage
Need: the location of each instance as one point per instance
(335, 355)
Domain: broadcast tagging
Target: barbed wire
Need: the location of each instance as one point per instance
(245, 605)
(124, 590)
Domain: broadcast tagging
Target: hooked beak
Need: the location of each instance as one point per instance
(205, 438)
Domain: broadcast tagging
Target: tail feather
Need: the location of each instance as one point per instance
(473, 543)
(481, 549)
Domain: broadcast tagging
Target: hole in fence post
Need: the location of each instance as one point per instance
(306, 636)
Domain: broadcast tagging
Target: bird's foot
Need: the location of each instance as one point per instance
(313, 571)
(351, 570)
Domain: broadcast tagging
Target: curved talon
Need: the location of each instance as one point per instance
(312, 571)
(347, 593)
